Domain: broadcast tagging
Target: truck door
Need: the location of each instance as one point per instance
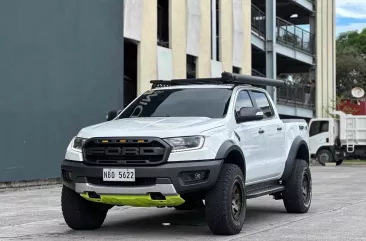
(274, 146)
(252, 141)
(320, 134)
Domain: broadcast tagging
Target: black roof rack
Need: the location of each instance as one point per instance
(225, 79)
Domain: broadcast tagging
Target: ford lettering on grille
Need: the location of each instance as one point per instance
(126, 151)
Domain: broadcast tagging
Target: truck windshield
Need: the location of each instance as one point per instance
(189, 102)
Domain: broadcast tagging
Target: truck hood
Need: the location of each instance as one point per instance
(152, 127)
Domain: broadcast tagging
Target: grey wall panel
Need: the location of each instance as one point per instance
(165, 63)
(61, 69)
(193, 27)
(238, 33)
(133, 19)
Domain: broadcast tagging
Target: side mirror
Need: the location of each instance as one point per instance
(249, 114)
(111, 115)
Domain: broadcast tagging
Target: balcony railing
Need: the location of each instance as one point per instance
(258, 21)
(286, 32)
(298, 95)
(293, 94)
(291, 35)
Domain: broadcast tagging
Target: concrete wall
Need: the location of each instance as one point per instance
(61, 68)
(190, 33)
(325, 56)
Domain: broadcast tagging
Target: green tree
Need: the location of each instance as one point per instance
(350, 61)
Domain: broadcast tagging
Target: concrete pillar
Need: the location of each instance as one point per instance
(271, 61)
(178, 36)
(204, 59)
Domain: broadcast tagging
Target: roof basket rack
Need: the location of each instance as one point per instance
(225, 79)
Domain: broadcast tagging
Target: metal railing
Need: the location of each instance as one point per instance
(293, 94)
(296, 95)
(258, 21)
(294, 36)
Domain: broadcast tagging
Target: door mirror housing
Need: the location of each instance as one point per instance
(111, 115)
(249, 114)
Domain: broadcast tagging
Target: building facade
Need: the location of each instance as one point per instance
(194, 39)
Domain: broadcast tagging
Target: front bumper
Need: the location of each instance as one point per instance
(165, 179)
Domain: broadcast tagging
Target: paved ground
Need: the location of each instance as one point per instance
(338, 212)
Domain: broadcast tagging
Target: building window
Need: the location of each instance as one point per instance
(130, 71)
(218, 30)
(215, 29)
(236, 70)
(163, 23)
(191, 67)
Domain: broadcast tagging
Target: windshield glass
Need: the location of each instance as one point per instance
(207, 102)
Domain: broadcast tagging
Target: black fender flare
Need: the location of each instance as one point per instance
(291, 158)
(227, 147)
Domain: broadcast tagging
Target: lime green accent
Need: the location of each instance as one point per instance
(136, 200)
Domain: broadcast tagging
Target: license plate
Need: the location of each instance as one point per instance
(119, 175)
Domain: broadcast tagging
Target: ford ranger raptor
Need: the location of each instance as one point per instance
(208, 143)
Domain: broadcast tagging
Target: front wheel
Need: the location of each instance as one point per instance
(80, 214)
(225, 203)
(298, 188)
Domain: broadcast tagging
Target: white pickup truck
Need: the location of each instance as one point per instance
(195, 143)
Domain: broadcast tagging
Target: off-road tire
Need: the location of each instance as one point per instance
(324, 152)
(218, 202)
(294, 199)
(81, 214)
(190, 205)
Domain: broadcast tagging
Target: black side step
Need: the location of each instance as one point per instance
(266, 190)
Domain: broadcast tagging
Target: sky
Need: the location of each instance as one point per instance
(350, 15)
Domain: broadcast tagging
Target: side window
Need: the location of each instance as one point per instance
(243, 100)
(318, 127)
(263, 103)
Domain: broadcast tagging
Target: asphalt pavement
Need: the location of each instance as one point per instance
(338, 212)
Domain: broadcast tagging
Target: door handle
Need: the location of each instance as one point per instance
(261, 131)
(279, 128)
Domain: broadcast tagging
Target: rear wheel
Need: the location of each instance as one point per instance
(226, 203)
(80, 214)
(324, 156)
(298, 189)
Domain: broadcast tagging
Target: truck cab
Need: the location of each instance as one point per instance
(323, 133)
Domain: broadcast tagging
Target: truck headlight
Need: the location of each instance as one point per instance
(78, 143)
(186, 143)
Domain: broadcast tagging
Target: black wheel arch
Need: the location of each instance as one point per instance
(230, 152)
(298, 150)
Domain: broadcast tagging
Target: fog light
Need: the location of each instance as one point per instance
(195, 176)
(67, 175)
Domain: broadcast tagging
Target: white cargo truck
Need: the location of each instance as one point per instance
(334, 140)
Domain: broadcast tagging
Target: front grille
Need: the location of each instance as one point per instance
(126, 151)
(139, 182)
